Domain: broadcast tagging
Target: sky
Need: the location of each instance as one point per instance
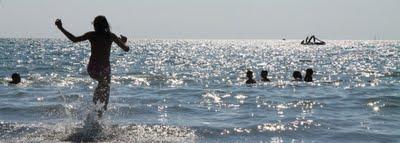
(206, 19)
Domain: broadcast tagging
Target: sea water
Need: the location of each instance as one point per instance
(194, 91)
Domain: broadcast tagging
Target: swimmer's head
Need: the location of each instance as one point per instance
(264, 74)
(297, 75)
(101, 25)
(16, 78)
(309, 71)
(249, 74)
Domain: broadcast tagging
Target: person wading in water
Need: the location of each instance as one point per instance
(99, 67)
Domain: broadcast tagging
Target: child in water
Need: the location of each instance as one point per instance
(264, 76)
(308, 77)
(250, 79)
(16, 78)
(99, 67)
(297, 76)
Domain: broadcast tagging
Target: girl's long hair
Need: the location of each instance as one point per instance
(101, 25)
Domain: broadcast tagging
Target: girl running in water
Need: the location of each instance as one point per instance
(99, 64)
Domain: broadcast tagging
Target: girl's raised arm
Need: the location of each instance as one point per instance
(70, 36)
(120, 41)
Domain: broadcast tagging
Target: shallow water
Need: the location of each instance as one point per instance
(193, 91)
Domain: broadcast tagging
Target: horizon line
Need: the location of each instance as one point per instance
(158, 38)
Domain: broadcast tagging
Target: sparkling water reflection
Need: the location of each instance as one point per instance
(194, 91)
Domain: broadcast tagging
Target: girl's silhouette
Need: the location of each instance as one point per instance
(99, 65)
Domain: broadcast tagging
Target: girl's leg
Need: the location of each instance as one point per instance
(97, 93)
(104, 91)
(97, 97)
(101, 94)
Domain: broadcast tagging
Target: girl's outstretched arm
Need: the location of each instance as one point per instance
(120, 41)
(70, 36)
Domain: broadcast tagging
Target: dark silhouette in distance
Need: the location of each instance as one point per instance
(249, 75)
(297, 76)
(99, 67)
(304, 41)
(16, 78)
(264, 76)
(312, 41)
(308, 77)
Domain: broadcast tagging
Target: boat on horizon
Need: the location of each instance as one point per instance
(312, 41)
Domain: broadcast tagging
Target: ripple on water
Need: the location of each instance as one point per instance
(183, 90)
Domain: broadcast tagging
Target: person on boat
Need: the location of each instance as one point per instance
(315, 41)
(249, 75)
(308, 77)
(305, 41)
(16, 78)
(99, 67)
(297, 76)
(264, 76)
(312, 41)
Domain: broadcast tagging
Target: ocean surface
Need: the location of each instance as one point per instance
(194, 91)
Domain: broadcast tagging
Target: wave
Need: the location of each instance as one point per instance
(93, 131)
